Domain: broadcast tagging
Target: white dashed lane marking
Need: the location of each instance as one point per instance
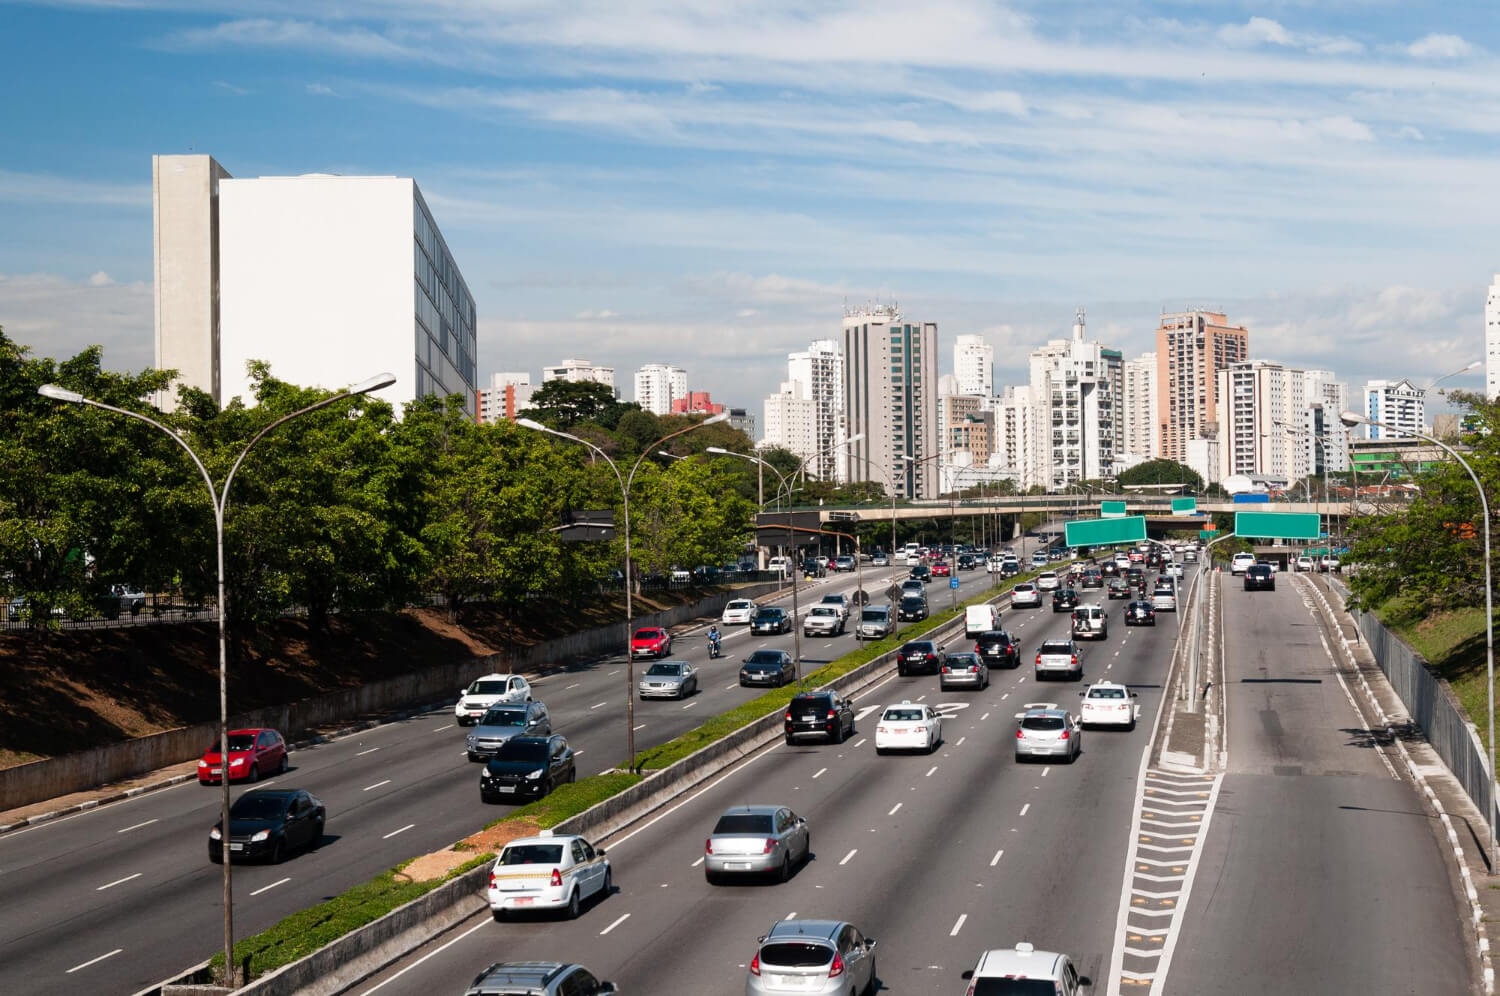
(851, 854)
(118, 881)
(621, 919)
(268, 888)
(93, 961)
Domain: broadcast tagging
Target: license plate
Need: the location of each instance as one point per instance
(523, 900)
(740, 865)
(236, 847)
(507, 788)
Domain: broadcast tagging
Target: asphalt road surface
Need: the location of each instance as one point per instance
(119, 897)
(936, 856)
(1321, 872)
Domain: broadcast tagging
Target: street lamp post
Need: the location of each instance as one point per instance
(625, 483)
(1352, 419)
(219, 499)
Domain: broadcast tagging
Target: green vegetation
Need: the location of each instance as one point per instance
(304, 932)
(1162, 471)
(1453, 643)
(567, 801)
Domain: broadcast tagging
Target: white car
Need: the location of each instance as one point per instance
(822, 620)
(1107, 704)
(1328, 563)
(1241, 561)
(1048, 581)
(738, 611)
(1014, 970)
(492, 689)
(1173, 569)
(908, 726)
(1164, 598)
(1303, 564)
(547, 873)
(840, 602)
(1025, 595)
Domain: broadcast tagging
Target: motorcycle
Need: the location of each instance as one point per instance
(714, 650)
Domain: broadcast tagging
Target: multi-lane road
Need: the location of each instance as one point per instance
(936, 856)
(119, 897)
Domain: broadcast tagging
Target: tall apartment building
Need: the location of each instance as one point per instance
(1399, 404)
(967, 426)
(1016, 439)
(974, 365)
(581, 370)
(1141, 432)
(657, 385)
(820, 371)
(329, 279)
(1191, 348)
(1260, 417)
(508, 393)
(791, 421)
(1073, 384)
(1492, 341)
(890, 388)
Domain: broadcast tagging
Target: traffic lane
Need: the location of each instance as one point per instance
(1327, 873)
(871, 819)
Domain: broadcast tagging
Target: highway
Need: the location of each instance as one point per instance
(122, 896)
(937, 857)
(1321, 872)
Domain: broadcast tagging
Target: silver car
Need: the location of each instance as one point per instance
(1047, 731)
(668, 680)
(812, 956)
(823, 620)
(967, 670)
(500, 723)
(1059, 657)
(756, 840)
(875, 622)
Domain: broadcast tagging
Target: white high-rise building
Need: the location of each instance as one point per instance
(974, 366)
(657, 385)
(791, 421)
(509, 392)
(1073, 385)
(581, 370)
(1017, 443)
(1399, 404)
(1142, 433)
(324, 278)
(890, 391)
(1492, 341)
(1261, 412)
(820, 372)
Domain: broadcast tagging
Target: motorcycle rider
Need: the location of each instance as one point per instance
(713, 640)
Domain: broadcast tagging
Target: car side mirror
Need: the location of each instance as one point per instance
(600, 851)
(869, 944)
(607, 989)
(967, 974)
(1135, 695)
(1084, 980)
(1080, 695)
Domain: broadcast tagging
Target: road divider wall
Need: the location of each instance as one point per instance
(367, 949)
(37, 781)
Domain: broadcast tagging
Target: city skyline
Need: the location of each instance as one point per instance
(631, 184)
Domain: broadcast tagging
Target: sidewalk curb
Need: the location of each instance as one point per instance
(1471, 894)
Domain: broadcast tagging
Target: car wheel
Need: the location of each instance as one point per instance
(216, 856)
(572, 910)
(869, 989)
(281, 770)
(608, 887)
(277, 853)
(785, 873)
(880, 751)
(711, 877)
(316, 840)
(498, 914)
(254, 775)
(788, 739)
(546, 788)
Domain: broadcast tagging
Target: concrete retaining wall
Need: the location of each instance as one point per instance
(53, 777)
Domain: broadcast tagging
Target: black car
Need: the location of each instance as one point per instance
(767, 667)
(1136, 577)
(819, 714)
(1118, 588)
(911, 608)
(1260, 577)
(813, 568)
(1109, 569)
(921, 573)
(1140, 613)
(527, 767)
(1093, 578)
(269, 824)
(769, 619)
(1064, 600)
(967, 561)
(919, 656)
(998, 648)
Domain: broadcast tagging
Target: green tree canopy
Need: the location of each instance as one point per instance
(1161, 471)
(563, 404)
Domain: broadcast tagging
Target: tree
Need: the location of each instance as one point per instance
(1161, 471)
(686, 515)
(563, 404)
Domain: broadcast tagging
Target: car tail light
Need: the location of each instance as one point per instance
(1020, 734)
(978, 649)
(947, 669)
(832, 714)
(708, 846)
(492, 880)
(974, 668)
(1038, 658)
(837, 968)
(789, 715)
(556, 879)
(755, 964)
(1075, 660)
(770, 846)
(1065, 733)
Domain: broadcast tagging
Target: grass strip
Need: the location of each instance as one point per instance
(1452, 641)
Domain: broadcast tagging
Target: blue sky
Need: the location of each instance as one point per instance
(706, 183)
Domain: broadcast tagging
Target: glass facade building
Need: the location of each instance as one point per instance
(445, 321)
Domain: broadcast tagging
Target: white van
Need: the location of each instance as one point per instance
(911, 553)
(980, 619)
(1090, 622)
(779, 565)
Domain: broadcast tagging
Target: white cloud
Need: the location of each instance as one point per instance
(321, 90)
(600, 315)
(1256, 31)
(1437, 46)
(231, 89)
(59, 317)
(34, 188)
(101, 279)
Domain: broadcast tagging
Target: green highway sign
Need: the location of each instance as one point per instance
(1277, 525)
(1112, 509)
(1184, 506)
(1103, 532)
(1206, 533)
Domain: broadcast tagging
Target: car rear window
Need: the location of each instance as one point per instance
(532, 854)
(1056, 647)
(811, 706)
(917, 648)
(1014, 987)
(1107, 693)
(1042, 723)
(795, 954)
(902, 715)
(1024, 587)
(963, 659)
(744, 823)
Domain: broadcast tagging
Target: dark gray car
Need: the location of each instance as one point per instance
(500, 723)
(767, 667)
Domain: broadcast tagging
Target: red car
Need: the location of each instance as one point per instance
(940, 569)
(252, 753)
(651, 642)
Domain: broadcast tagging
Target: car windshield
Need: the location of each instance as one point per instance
(912, 601)
(824, 610)
(237, 741)
(522, 750)
(487, 688)
(769, 614)
(1013, 987)
(1056, 647)
(258, 807)
(744, 823)
(1106, 693)
(874, 615)
(796, 954)
(532, 854)
(765, 658)
(666, 670)
(1042, 723)
(902, 715)
(833, 599)
(504, 717)
(647, 634)
(740, 604)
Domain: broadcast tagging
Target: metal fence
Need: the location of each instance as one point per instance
(1433, 708)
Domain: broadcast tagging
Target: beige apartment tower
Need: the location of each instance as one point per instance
(1191, 348)
(185, 215)
(890, 397)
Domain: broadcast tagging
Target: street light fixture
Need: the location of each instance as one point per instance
(625, 483)
(219, 499)
(1352, 419)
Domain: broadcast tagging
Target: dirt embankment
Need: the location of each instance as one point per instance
(72, 690)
